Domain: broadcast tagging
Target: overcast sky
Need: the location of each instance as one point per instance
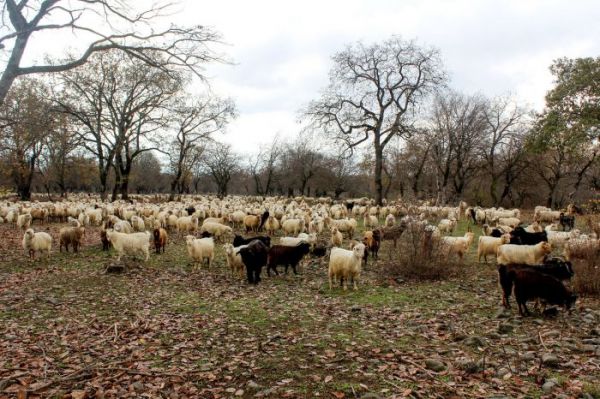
(281, 49)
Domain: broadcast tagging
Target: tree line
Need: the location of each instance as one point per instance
(120, 118)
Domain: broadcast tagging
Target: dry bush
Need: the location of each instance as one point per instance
(419, 257)
(587, 275)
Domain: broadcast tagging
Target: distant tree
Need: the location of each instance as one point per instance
(458, 127)
(61, 144)
(104, 25)
(506, 124)
(146, 174)
(373, 93)
(195, 122)
(263, 167)
(221, 163)
(27, 120)
(301, 160)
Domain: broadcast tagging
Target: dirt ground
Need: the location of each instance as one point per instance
(166, 329)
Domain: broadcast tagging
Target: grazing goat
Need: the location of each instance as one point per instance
(239, 240)
(71, 235)
(531, 284)
(160, 239)
(372, 241)
(130, 244)
(489, 245)
(200, 249)
(286, 255)
(254, 256)
(521, 237)
(345, 265)
(522, 254)
(567, 221)
(36, 242)
(234, 259)
(555, 267)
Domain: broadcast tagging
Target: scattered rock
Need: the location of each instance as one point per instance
(115, 268)
(550, 312)
(138, 386)
(595, 331)
(252, 385)
(588, 348)
(469, 366)
(505, 328)
(528, 356)
(435, 365)
(550, 360)
(355, 308)
(474, 341)
(549, 385)
(503, 313)
(502, 372)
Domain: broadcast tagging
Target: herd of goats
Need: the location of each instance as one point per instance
(316, 227)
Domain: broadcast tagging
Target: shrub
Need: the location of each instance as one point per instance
(419, 256)
(587, 276)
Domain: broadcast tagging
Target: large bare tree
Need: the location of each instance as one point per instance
(373, 92)
(457, 129)
(101, 25)
(196, 121)
(222, 163)
(507, 123)
(119, 104)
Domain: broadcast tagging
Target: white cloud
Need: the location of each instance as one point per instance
(282, 49)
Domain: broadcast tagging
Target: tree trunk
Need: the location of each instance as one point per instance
(378, 173)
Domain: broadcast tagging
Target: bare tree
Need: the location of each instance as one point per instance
(196, 122)
(106, 25)
(506, 124)
(61, 143)
(302, 160)
(263, 165)
(119, 104)
(458, 127)
(27, 120)
(372, 94)
(221, 162)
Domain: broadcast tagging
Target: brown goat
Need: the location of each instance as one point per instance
(372, 241)
(104, 240)
(160, 239)
(71, 235)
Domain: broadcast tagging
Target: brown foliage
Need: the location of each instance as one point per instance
(587, 276)
(421, 257)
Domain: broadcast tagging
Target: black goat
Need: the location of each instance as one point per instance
(521, 237)
(532, 284)
(254, 257)
(288, 256)
(555, 267)
(473, 215)
(239, 240)
(263, 219)
(567, 221)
